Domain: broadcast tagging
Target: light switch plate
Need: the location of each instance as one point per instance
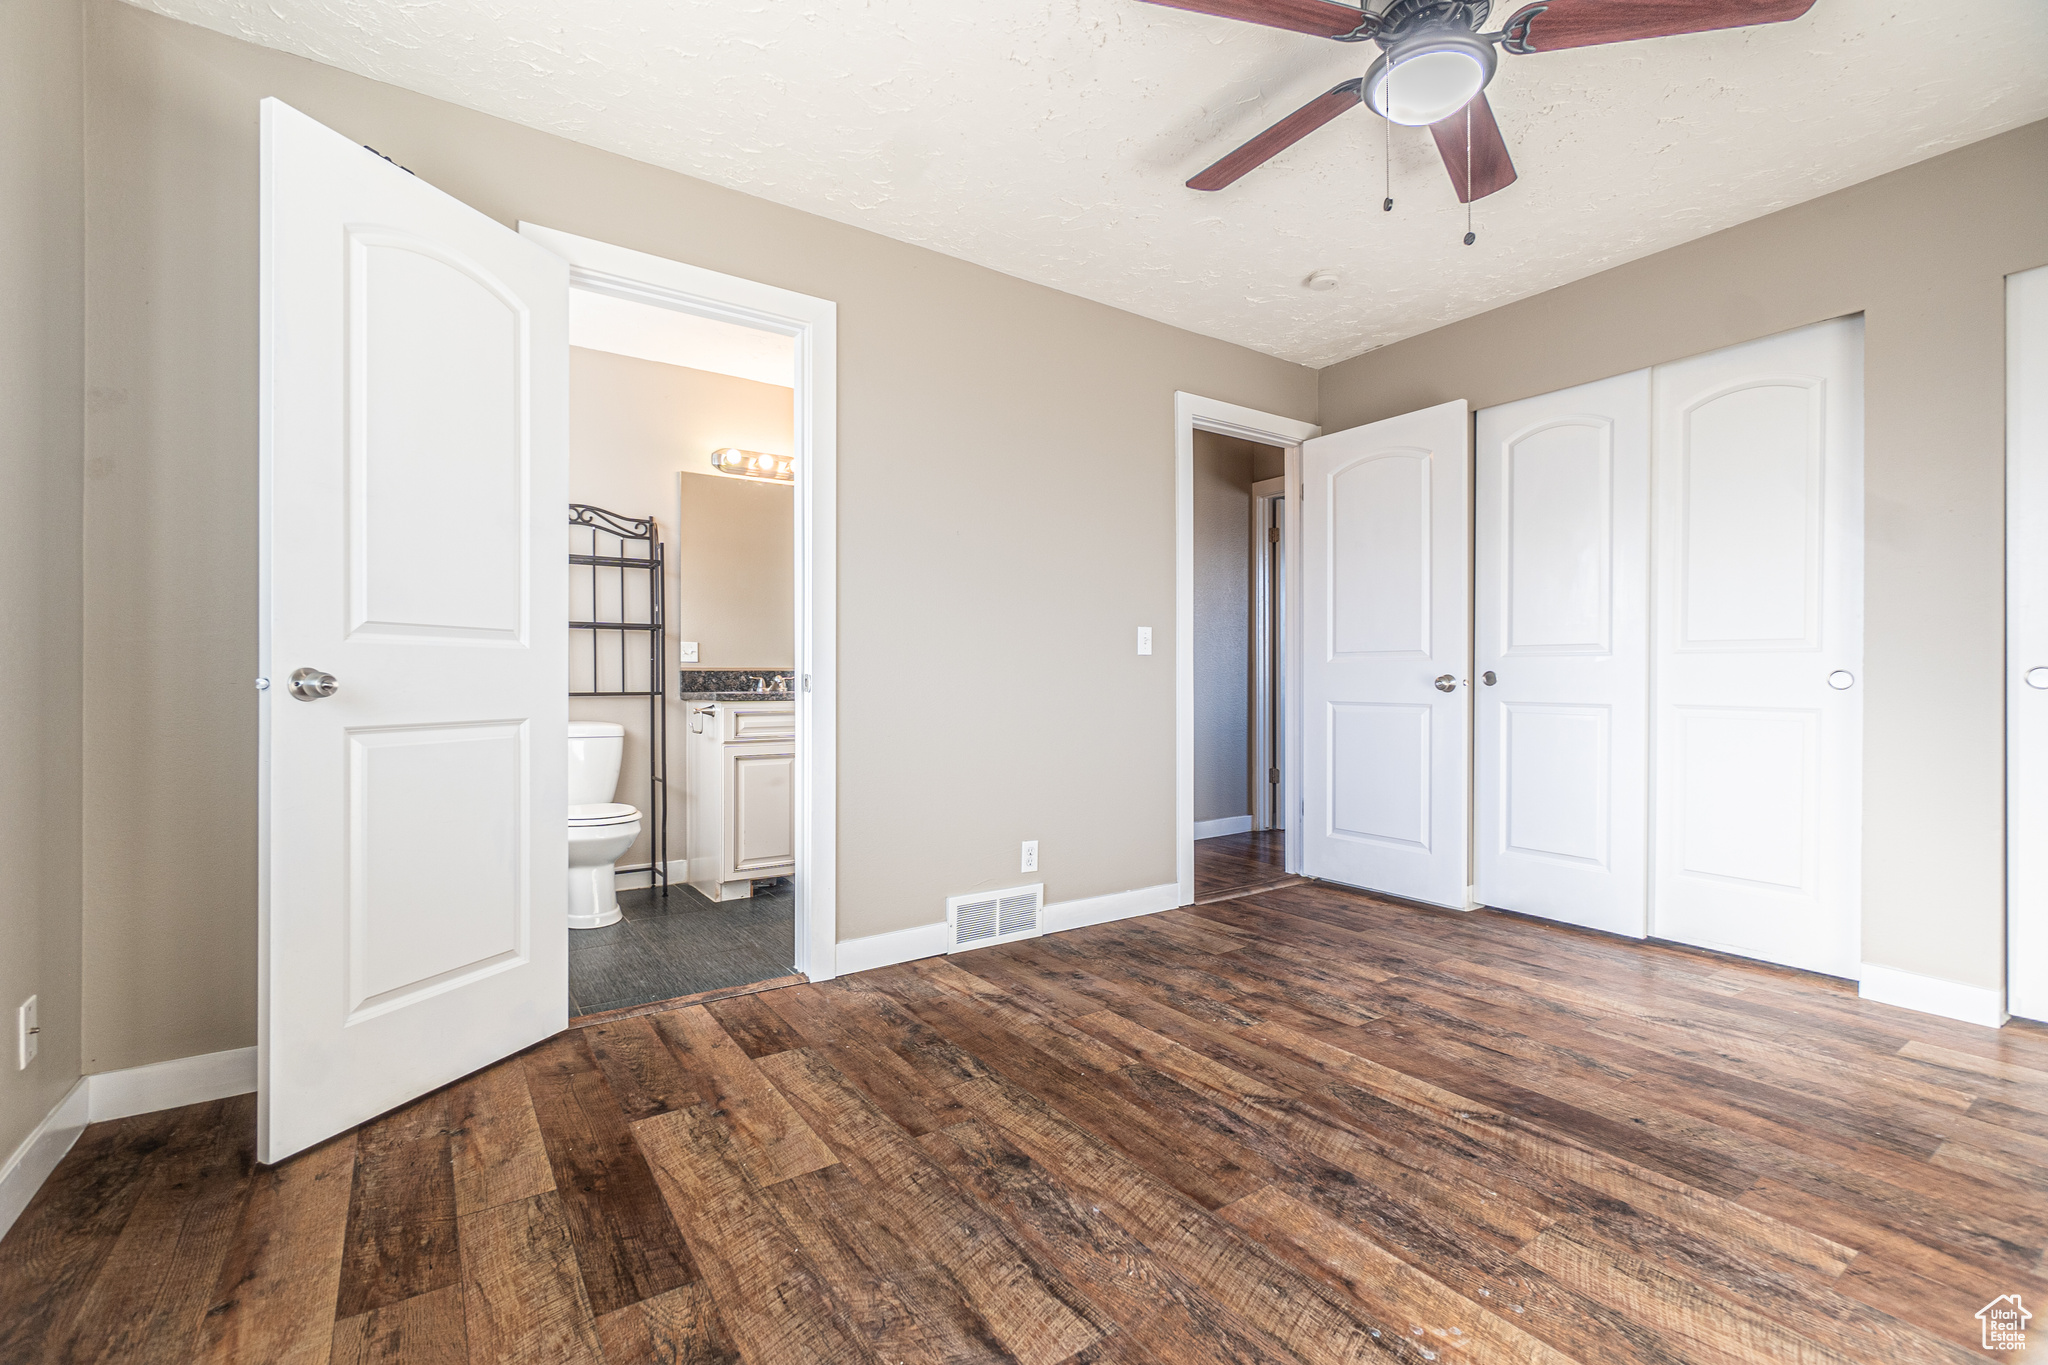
(1144, 639)
(27, 1032)
(1030, 856)
(686, 652)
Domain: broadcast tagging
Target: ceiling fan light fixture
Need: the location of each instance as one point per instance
(1427, 78)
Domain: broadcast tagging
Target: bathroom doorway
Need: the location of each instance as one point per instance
(687, 426)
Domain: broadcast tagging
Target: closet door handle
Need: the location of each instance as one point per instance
(1488, 678)
(1447, 683)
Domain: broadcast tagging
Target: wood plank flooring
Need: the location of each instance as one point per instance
(1232, 864)
(1292, 1128)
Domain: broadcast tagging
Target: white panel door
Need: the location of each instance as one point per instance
(414, 402)
(1759, 624)
(1561, 730)
(1385, 630)
(2026, 605)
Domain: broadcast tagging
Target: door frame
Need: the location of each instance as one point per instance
(1268, 601)
(813, 323)
(1192, 413)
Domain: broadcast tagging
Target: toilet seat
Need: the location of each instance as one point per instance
(605, 813)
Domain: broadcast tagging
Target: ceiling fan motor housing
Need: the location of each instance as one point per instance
(1407, 18)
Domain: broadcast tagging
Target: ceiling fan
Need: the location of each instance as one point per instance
(1434, 65)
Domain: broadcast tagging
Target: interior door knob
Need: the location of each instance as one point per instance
(310, 684)
(1841, 680)
(1488, 678)
(1447, 683)
(2038, 677)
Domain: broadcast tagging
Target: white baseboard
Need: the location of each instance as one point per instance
(678, 873)
(1146, 900)
(930, 940)
(1932, 995)
(1229, 824)
(886, 950)
(166, 1085)
(117, 1095)
(30, 1163)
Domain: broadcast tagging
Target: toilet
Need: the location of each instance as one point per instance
(600, 829)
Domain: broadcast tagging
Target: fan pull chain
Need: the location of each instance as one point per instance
(1470, 236)
(1387, 128)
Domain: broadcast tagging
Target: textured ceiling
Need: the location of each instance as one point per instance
(1049, 138)
(600, 322)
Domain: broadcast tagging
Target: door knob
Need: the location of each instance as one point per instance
(1488, 678)
(310, 684)
(1447, 683)
(2038, 677)
(1841, 680)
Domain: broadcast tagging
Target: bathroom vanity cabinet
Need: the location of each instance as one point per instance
(742, 788)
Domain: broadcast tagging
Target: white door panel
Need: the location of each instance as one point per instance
(1386, 612)
(1562, 627)
(2026, 302)
(414, 480)
(1758, 601)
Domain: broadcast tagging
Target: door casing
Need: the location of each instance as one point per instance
(1192, 412)
(813, 323)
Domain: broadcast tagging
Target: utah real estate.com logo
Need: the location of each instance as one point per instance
(2005, 1323)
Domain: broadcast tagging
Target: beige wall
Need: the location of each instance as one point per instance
(1922, 253)
(41, 474)
(1224, 474)
(635, 428)
(989, 579)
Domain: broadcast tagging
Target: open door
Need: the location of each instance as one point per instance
(414, 400)
(1386, 629)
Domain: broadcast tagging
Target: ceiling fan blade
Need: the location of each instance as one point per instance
(1490, 168)
(1323, 18)
(1555, 24)
(1280, 136)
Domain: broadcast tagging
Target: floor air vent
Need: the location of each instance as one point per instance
(994, 916)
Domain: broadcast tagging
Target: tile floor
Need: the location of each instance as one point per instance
(688, 943)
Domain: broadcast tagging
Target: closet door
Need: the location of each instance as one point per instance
(1759, 655)
(2026, 605)
(1561, 767)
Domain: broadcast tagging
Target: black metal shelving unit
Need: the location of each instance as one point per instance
(622, 590)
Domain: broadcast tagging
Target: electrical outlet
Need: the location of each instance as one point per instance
(1030, 856)
(686, 652)
(27, 1031)
(1144, 639)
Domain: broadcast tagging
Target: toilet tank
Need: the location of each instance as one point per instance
(594, 749)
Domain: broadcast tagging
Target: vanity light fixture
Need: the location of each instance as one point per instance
(753, 464)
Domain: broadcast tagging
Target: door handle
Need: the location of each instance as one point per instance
(1447, 683)
(310, 684)
(1488, 678)
(2037, 677)
(1841, 680)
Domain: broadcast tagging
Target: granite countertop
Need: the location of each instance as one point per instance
(736, 684)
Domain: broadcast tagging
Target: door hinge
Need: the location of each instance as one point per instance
(1273, 534)
(1273, 776)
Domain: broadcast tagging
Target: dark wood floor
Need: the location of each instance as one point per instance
(680, 944)
(1299, 1126)
(1235, 863)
